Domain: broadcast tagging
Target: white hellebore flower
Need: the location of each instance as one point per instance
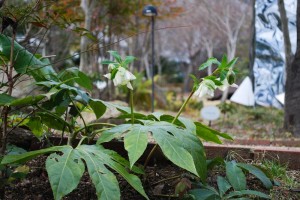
(122, 77)
(206, 87)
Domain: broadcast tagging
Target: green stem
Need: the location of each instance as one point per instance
(173, 121)
(90, 125)
(182, 107)
(131, 106)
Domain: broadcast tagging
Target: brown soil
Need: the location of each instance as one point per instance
(36, 185)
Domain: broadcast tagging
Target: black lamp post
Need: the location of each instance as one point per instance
(150, 11)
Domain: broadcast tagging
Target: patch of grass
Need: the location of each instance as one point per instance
(257, 122)
(280, 173)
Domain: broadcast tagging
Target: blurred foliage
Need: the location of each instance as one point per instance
(262, 122)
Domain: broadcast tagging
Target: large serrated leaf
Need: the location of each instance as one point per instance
(135, 143)
(258, 173)
(112, 133)
(173, 150)
(104, 180)
(103, 157)
(235, 176)
(64, 171)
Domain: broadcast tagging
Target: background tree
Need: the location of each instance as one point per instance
(292, 86)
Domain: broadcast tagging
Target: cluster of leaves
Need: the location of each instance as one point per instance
(234, 185)
(63, 97)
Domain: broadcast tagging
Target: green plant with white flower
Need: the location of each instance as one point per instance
(179, 138)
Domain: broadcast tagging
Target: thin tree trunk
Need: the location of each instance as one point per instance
(86, 58)
(292, 87)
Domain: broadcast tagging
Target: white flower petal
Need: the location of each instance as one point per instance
(129, 85)
(108, 76)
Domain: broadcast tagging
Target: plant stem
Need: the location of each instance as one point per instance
(89, 125)
(182, 107)
(5, 111)
(131, 107)
(173, 121)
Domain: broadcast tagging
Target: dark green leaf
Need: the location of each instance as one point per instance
(223, 185)
(247, 192)
(204, 194)
(235, 176)
(5, 99)
(25, 62)
(258, 173)
(98, 107)
(29, 100)
(84, 81)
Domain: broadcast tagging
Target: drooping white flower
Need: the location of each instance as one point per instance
(122, 77)
(206, 88)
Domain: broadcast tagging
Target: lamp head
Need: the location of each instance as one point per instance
(149, 11)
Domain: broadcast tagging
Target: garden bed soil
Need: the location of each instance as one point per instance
(36, 185)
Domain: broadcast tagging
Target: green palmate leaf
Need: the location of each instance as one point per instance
(97, 158)
(98, 107)
(208, 63)
(112, 133)
(104, 180)
(116, 56)
(223, 185)
(173, 150)
(135, 143)
(258, 173)
(119, 159)
(25, 62)
(168, 136)
(10, 159)
(235, 176)
(193, 145)
(247, 192)
(204, 194)
(5, 99)
(35, 125)
(64, 171)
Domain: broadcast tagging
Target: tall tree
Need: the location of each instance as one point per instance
(292, 87)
